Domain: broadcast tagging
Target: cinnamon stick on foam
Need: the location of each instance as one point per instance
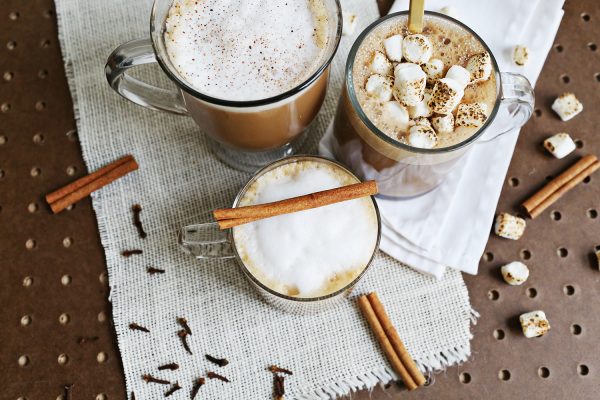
(230, 217)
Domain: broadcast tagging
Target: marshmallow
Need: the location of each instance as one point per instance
(379, 87)
(409, 85)
(417, 48)
(446, 95)
(515, 273)
(509, 226)
(422, 136)
(443, 123)
(434, 70)
(567, 106)
(403, 65)
(380, 64)
(349, 22)
(471, 114)
(520, 55)
(393, 47)
(421, 109)
(560, 145)
(459, 74)
(421, 121)
(534, 324)
(449, 11)
(396, 115)
(480, 67)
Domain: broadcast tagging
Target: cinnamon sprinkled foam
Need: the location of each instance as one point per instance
(246, 49)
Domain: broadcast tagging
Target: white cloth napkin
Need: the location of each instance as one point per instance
(449, 226)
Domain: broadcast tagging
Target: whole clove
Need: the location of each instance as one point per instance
(85, 339)
(150, 379)
(183, 322)
(137, 209)
(221, 362)
(183, 335)
(152, 270)
(173, 389)
(68, 391)
(197, 385)
(278, 386)
(129, 253)
(214, 375)
(275, 369)
(137, 327)
(171, 366)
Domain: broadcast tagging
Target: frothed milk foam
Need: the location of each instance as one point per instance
(246, 49)
(309, 253)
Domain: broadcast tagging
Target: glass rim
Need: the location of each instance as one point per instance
(245, 103)
(255, 280)
(349, 82)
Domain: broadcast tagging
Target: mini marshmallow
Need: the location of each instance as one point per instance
(520, 55)
(349, 22)
(515, 273)
(393, 47)
(403, 65)
(422, 136)
(379, 87)
(417, 48)
(443, 123)
(509, 226)
(567, 106)
(534, 324)
(434, 70)
(396, 115)
(421, 121)
(421, 109)
(380, 64)
(449, 11)
(560, 145)
(471, 114)
(445, 96)
(459, 74)
(480, 67)
(409, 85)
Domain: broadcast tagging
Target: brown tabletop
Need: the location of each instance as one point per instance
(55, 319)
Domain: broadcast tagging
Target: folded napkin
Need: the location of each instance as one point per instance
(449, 226)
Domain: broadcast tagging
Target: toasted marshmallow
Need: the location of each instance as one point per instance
(534, 324)
(350, 20)
(560, 145)
(422, 136)
(379, 87)
(480, 67)
(434, 70)
(380, 64)
(393, 47)
(459, 74)
(409, 85)
(421, 121)
(417, 48)
(520, 55)
(443, 123)
(449, 11)
(421, 109)
(446, 95)
(509, 226)
(515, 273)
(567, 106)
(471, 114)
(396, 115)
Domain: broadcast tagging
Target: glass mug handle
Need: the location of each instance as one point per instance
(516, 105)
(132, 54)
(205, 241)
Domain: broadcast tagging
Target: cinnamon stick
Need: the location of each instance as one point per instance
(371, 317)
(397, 344)
(75, 191)
(242, 215)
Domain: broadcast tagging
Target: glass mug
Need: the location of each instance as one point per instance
(208, 241)
(403, 171)
(243, 134)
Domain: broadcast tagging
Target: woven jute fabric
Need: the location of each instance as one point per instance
(178, 183)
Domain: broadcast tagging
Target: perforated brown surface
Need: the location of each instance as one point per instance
(52, 267)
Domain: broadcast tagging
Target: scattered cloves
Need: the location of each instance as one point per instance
(137, 209)
(183, 335)
(150, 379)
(183, 322)
(214, 375)
(197, 385)
(221, 362)
(152, 270)
(129, 253)
(173, 389)
(137, 327)
(171, 366)
(275, 369)
(85, 339)
(279, 388)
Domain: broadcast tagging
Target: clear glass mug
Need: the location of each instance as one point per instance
(403, 171)
(208, 241)
(243, 134)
